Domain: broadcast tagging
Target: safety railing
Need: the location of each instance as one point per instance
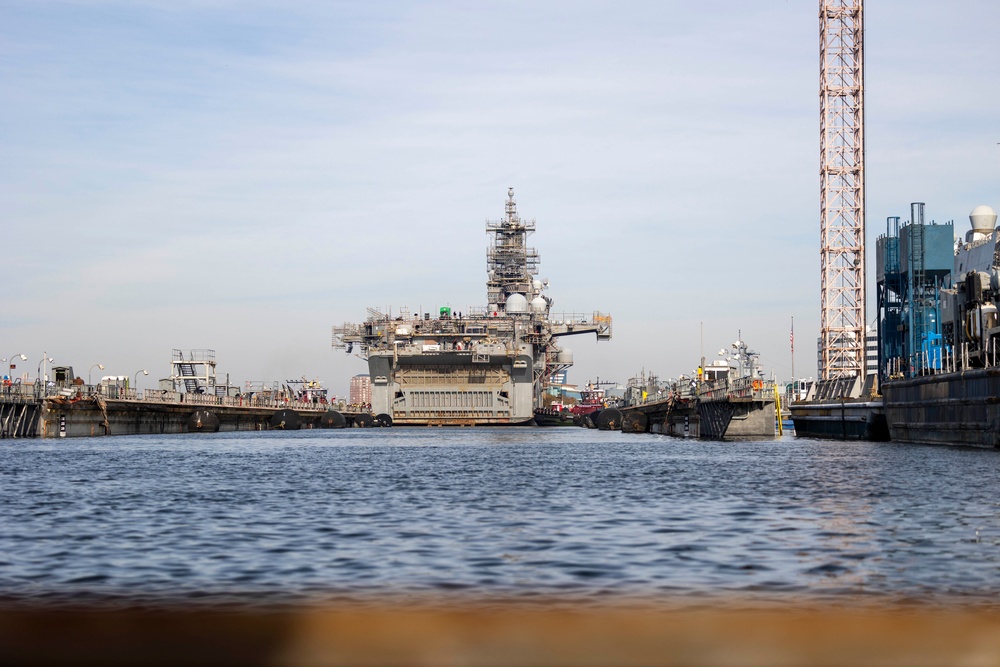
(745, 388)
(29, 393)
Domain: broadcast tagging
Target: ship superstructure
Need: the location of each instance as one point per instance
(486, 366)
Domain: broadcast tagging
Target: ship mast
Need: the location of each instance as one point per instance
(510, 264)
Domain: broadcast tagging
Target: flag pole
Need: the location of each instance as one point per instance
(791, 340)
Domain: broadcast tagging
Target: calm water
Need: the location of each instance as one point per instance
(276, 517)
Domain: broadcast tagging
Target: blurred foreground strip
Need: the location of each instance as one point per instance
(500, 636)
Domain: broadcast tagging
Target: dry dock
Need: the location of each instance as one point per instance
(91, 412)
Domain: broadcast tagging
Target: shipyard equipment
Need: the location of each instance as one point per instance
(842, 355)
(842, 189)
(938, 299)
(486, 366)
(942, 333)
(912, 263)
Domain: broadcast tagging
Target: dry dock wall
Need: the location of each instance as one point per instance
(84, 419)
(23, 417)
(752, 420)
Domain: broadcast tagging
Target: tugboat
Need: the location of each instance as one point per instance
(558, 414)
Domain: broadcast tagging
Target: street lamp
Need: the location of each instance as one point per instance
(13, 358)
(135, 383)
(90, 372)
(40, 382)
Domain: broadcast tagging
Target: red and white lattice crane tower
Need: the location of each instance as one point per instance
(842, 188)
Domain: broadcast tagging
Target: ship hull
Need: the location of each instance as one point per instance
(959, 408)
(552, 418)
(453, 388)
(840, 420)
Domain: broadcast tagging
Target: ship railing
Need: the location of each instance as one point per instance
(569, 318)
(743, 388)
(656, 396)
(17, 392)
(161, 396)
(193, 356)
(713, 390)
(943, 359)
(596, 318)
(168, 397)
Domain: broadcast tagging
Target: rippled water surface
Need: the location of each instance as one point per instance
(494, 513)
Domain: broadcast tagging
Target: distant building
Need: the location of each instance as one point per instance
(361, 389)
(871, 352)
(558, 377)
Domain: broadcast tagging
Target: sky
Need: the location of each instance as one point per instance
(241, 176)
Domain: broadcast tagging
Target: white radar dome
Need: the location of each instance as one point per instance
(517, 303)
(538, 305)
(983, 219)
(537, 285)
(564, 357)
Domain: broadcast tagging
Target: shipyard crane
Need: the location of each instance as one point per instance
(842, 189)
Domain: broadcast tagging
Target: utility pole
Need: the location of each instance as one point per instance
(842, 188)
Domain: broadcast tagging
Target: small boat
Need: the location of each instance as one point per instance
(559, 414)
(555, 414)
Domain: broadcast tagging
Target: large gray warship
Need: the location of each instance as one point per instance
(486, 366)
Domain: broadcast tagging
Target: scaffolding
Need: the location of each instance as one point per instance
(510, 264)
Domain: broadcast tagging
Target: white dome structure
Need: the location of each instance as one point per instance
(516, 303)
(539, 304)
(564, 356)
(983, 219)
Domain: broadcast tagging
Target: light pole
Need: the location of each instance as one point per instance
(13, 358)
(40, 382)
(90, 372)
(135, 384)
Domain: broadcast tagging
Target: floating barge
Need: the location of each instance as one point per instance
(940, 330)
(841, 409)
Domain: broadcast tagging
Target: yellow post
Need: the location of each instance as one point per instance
(777, 408)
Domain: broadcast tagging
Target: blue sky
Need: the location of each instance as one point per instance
(242, 176)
